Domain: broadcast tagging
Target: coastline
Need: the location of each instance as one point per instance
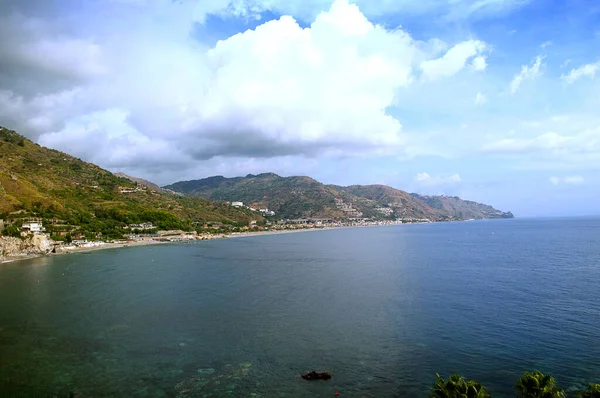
(152, 241)
(79, 249)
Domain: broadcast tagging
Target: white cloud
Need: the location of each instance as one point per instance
(588, 70)
(279, 90)
(479, 63)
(480, 99)
(587, 141)
(427, 180)
(454, 60)
(572, 180)
(528, 72)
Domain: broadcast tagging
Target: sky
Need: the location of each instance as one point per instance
(496, 101)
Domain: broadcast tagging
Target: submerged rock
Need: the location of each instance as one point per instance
(317, 376)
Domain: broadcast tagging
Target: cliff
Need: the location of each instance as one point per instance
(16, 247)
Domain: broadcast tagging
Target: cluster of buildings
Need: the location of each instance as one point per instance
(386, 211)
(306, 223)
(142, 226)
(265, 212)
(138, 188)
(347, 208)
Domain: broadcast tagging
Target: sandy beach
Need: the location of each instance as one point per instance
(152, 241)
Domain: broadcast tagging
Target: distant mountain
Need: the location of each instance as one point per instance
(42, 182)
(403, 203)
(140, 181)
(462, 209)
(297, 197)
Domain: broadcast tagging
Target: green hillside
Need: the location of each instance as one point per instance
(289, 197)
(295, 197)
(39, 182)
(462, 209)
(403, 204)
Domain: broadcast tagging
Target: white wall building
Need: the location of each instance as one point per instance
(32, 227)
(237, 204)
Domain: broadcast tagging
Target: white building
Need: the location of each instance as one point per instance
(146, 225)
(32, 227)
(267, 212)
(237, 204)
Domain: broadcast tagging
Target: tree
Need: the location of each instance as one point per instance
(457, 387)
(12, 230)
(593, 391)
(538, 385)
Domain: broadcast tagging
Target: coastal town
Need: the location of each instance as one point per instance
(32, 236)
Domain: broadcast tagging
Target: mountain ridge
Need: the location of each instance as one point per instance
(303, 196)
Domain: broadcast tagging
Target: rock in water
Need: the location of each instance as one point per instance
(317, 376)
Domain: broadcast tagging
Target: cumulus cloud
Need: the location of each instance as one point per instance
(154, 96)
(588, 70)
(528, 72)
(479, 63)
(572, 180)
(428, 180)
(454, 60)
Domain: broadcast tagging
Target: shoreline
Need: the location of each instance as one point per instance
(151, 241)
(143, 242)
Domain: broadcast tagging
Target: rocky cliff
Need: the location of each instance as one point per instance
(17, 247)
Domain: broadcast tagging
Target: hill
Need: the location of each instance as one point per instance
(40, 182)
(463, 209)
(140, 181)
(297, 197)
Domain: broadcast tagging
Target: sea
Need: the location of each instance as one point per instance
(382, 308)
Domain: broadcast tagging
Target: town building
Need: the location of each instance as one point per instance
(146, 225)
(32, 227)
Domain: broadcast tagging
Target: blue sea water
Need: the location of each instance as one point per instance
(382, 308)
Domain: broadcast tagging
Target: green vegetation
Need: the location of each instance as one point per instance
(82, 199)
(457, 387)
(11, 230)
(297, 197)
(531, 384)
(593, 391)
(538, 385)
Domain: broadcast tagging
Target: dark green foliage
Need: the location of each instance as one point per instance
(538, 385)
(12, 230)
(593, 391)
(457, 387)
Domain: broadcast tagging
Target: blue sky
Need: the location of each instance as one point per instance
(491, 100)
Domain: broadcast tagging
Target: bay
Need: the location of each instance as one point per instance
(382, 308)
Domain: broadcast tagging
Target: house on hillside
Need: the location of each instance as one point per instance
(237, 204)
(146, 225)
(267, 212)
(32, 227)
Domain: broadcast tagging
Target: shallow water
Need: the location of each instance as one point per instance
(382, 308)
